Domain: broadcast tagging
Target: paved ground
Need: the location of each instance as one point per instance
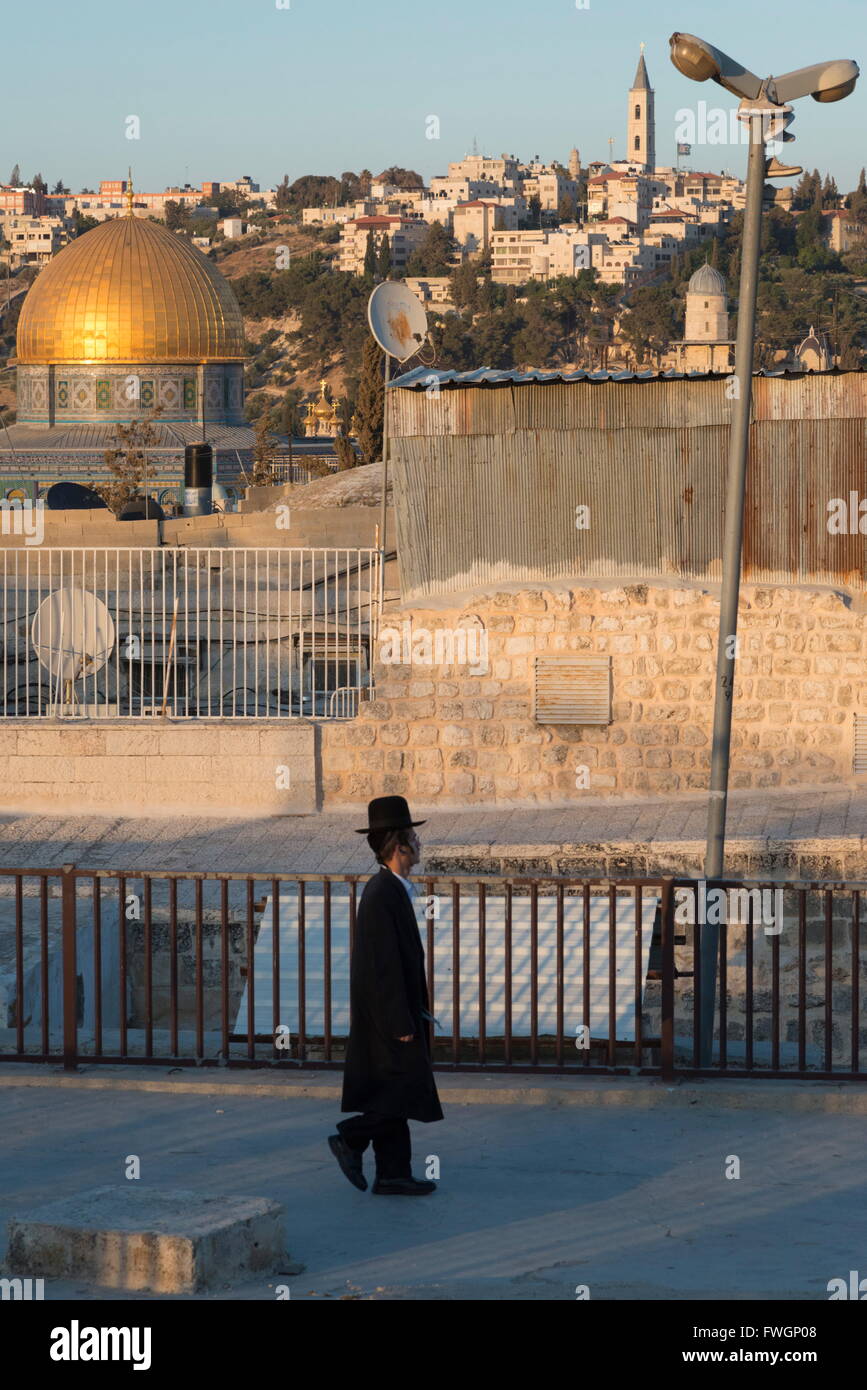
(328, 842)
(625, 1192)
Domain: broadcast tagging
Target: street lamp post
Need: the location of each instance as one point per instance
(764, 107)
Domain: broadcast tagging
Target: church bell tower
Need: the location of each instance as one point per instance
(641, 137)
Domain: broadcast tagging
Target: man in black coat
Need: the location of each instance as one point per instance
(387, 1075)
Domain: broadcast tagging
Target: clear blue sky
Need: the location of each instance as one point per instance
(230, 87)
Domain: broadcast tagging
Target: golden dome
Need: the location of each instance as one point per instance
(130, 291)
(324, 408)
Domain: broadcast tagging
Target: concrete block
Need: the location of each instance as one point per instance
(165, 1242)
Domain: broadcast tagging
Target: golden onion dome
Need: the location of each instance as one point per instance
(323, 408)
(130, 291)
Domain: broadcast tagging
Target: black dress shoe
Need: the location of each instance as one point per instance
(403, 1187)
(349, 1160)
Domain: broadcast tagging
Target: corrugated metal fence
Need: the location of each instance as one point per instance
(489, 478)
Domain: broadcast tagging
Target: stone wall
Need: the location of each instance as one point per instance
(440, 734)
(169, 767)
(348, 527)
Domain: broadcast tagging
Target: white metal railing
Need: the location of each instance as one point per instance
(274, 633)
(297, 470)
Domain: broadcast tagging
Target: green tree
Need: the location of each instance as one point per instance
(350, 187)
(534, 211)
(649, 325)
(127, 462)
(406, 179)
(177, 217)
(315, 190)
(370, 255)
(264, 470)
(805, 193)
(290, 414)
(383, 258)
(231, 203)
(370, 406)
(81, 222)
(15, 177)
(283, 195)
(464, 282)
(858, 200)
(346, 455)
(435, 253)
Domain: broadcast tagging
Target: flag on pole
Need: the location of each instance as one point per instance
(684, 149)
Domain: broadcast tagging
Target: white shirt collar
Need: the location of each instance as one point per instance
(410, 887)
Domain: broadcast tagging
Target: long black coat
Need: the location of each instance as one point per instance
(388, 992)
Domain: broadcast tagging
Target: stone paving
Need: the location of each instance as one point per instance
(534, 1200)
(328, 843)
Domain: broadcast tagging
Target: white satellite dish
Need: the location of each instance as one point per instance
(397, 320)
(72, 634)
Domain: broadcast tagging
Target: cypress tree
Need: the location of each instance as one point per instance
(383, 258)
(370, 406)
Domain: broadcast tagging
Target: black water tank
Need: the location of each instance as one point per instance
(198, 479)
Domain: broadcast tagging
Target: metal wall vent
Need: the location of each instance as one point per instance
(859, 761)
(572, 690)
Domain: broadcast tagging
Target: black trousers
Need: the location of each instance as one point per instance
(389, 1135)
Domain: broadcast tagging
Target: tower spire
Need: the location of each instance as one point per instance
(129, 194)
(640, 129)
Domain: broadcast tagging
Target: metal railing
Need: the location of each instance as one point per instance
(189, 633)
(576, 976)
(299, 470)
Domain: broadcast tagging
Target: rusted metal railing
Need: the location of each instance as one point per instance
(587, 976)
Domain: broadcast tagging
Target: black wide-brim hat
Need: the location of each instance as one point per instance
(388, 813)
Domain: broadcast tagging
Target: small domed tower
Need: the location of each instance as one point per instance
(707, 315)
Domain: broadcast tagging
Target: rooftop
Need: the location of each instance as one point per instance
(419, 379)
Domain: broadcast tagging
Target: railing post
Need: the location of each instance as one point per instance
(70, 975)
(666, 1035)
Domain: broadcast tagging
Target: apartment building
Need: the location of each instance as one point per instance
(617, 194)
(686, 227)
(517, 257)
(549, 186)
(330, 217)
(31, 240)
(474, 223)
(505, 172)
(464, 190)
(404, 234)
(434, 291)
(844, 233)
(628, 262)
(24, 202)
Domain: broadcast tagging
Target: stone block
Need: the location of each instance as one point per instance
(394, 734)
(138, 1239)
(461, 784)
(425, 735)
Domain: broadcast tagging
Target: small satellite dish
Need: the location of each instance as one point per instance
(72, 634)
(141, 509)
(68, 497)
(397, 320)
